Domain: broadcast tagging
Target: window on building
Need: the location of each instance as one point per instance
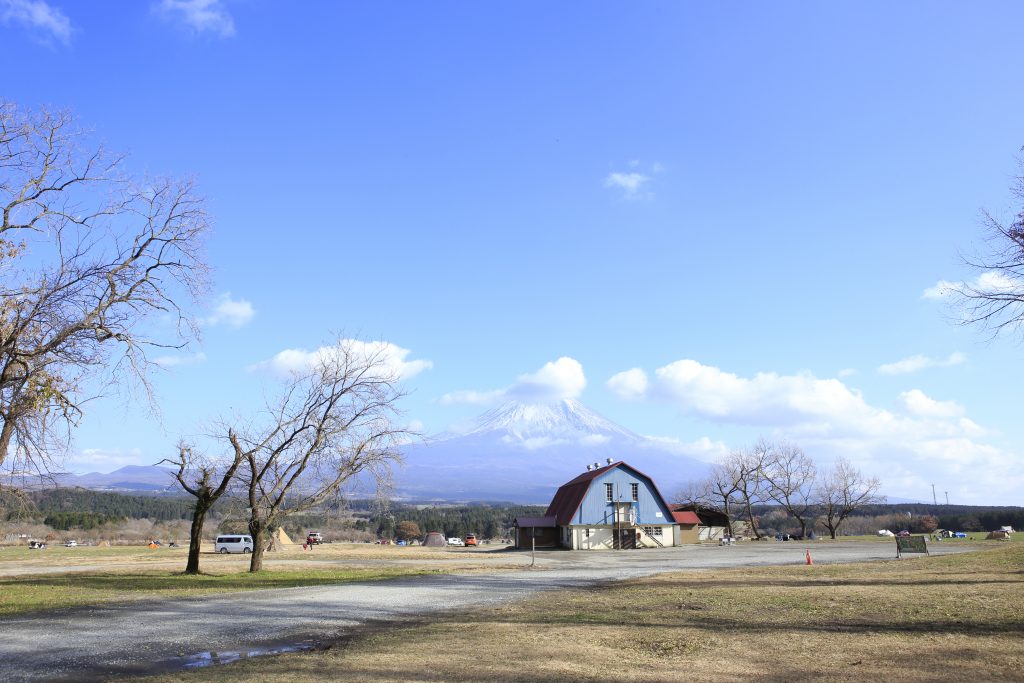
(652, 530)
(636, 491)
(608, 493)
(587, 535)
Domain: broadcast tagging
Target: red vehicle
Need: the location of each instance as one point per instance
(471, 540)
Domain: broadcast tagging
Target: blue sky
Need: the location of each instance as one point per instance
(724, 220)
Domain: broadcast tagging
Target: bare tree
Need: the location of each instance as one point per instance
(842, 490)
(748, 471)
(790, 475)
(87, 258)
(206, 479)
(330, 425)
(996, 298)
(720, 491)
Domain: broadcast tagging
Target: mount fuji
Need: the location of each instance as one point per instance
(522, 452)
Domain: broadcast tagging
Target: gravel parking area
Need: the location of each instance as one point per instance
(89, 643)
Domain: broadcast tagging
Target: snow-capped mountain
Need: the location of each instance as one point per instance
(566, 419)
(523, 451)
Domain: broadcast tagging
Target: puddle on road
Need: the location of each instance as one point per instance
(215, 657)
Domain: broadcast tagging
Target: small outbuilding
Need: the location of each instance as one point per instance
(536, 532)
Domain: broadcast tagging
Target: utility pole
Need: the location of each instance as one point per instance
(934, 500)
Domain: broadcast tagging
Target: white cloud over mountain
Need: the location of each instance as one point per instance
(559, 379)
(393, 356)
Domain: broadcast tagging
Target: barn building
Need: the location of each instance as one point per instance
(614, 506)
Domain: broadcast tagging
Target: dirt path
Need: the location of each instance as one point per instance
(85, 643)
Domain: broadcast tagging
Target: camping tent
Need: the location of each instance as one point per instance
(278, 540)
(435, 538)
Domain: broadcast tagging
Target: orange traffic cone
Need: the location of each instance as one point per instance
(809, 560)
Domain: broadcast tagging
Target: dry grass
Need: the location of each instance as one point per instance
(950, 618)
(59, 577)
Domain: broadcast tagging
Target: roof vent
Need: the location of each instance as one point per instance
(609, 461)
(589, 467)
(597, 465)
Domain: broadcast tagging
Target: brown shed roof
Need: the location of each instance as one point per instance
(536, 522)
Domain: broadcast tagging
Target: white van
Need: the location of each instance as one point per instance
(233, 544)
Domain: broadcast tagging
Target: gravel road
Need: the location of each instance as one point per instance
(89, 643)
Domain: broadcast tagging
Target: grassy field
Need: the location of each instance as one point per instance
(57, 577)
(958, 617)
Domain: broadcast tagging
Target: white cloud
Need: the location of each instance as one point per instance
(102, 459)
(178, 361)
(920, 362)
(38, 15)
(927, 440)
(200, 15)
(556, 380)
(629, 384)
(631, 184)
(292, 361)
(478, 398)
(231, 312)
(989, 281)
(702, 449)
(847, 372)
(916, 402)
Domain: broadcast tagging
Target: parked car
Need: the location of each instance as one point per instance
(36, 545)
(471, 539)
(71, 544)
(455, 541)
(783, 537)
(960, 534)
(233, 544)
(903, 534)
(314, 538)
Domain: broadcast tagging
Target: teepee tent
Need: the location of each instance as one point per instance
(435, 538)
(278, 540)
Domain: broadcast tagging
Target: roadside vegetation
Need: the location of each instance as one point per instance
(955, 617)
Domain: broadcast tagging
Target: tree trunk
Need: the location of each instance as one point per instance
(195, 537)
(753, 524)
(256, 530)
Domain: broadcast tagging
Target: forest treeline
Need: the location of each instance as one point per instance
(73, 508)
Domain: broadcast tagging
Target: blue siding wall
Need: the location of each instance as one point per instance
(595, 508)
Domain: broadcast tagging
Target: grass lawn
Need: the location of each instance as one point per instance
(958, 617)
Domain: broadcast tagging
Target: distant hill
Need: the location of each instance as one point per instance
(522, 452)
(129, 478)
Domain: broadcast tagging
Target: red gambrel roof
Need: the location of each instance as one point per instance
(570, 494)
(686, 517)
